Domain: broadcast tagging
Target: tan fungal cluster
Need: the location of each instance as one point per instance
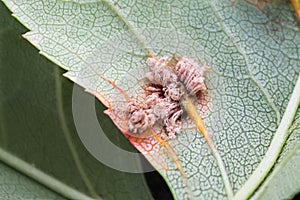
(191, 74)
(156, 111)
(169, 80)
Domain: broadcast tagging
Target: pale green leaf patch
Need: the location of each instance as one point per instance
(254, 58)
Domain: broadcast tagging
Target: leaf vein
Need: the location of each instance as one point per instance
(242, 52)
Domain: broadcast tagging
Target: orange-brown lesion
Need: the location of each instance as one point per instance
(188, 101)
(260, 4)
(198, 120)
(154, 140)
(296, 6)
(192, 112)
(141, 139)
(171, 153)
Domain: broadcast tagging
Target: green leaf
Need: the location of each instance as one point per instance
(17, 186)
(254, 57)
(283, 182)
(37, 132)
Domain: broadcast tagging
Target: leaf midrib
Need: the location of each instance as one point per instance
(275, 147)
(278, 141)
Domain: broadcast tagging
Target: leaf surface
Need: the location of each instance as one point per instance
(17, 186)
(283, 182)
(37, 133)
(254, 57)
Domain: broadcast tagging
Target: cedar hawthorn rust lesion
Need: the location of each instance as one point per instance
(151, 118)
(168, 83)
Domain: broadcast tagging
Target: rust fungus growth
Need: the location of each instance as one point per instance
(174, 90)
(169, 82)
